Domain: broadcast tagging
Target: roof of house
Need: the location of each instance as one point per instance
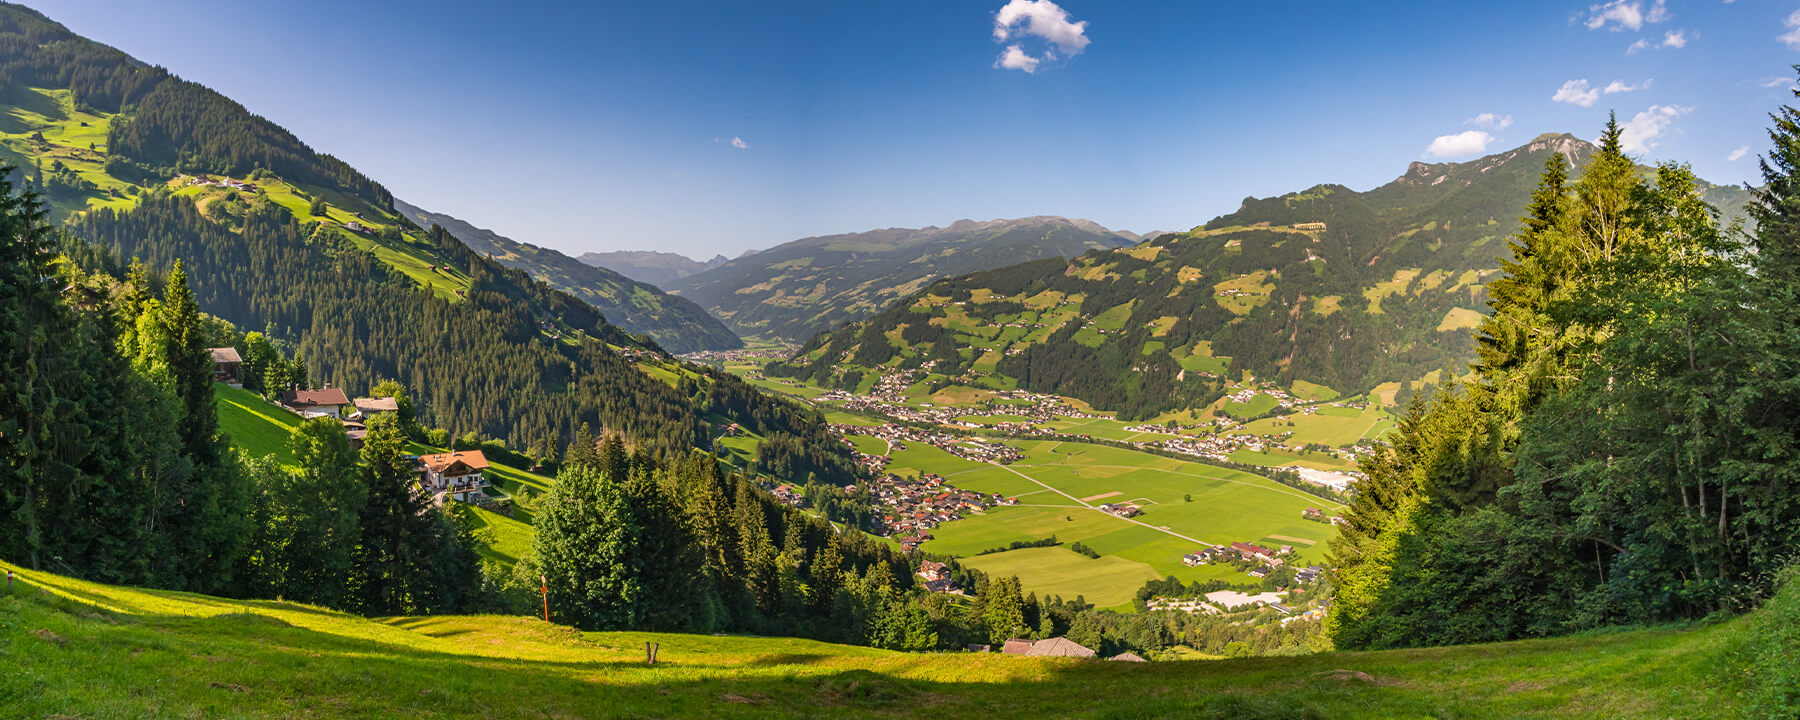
(386, 404)
(1126, 657)
(1016, 646)
(443, 461)
(1059, 647)
(225, 355)
(322, 397)
(1247, 547)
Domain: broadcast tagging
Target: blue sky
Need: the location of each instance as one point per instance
(607, 126)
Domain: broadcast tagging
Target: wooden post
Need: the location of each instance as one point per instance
(649, 659)
(654, 649)
(545, 590)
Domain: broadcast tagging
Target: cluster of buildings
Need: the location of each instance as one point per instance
(444, 476)
(1124, 510)
(1261, 559)
(220, 182)
(720, 357)
(914, 506)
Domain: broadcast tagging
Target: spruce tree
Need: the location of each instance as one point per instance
(393, 559)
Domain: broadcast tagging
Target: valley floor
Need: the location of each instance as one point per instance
(74, 649)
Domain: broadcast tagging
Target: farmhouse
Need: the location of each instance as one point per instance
(1252, 552)
(324, 402)
(226, 362)
(370, 407)
(455, 474)
(356, 432)
(1058, 647)
(1016, 646)
(933, 570)
(1126, 657)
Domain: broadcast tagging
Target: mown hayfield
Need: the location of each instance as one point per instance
(1107, 581)
(1334, 426)
(75, 649)
(1180, 500)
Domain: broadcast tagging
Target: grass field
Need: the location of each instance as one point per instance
(258, 426)
(81, 650)
(1331, 425)
(1107, 581)
(1053, 479)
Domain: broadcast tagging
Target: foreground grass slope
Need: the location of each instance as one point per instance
(78, 649)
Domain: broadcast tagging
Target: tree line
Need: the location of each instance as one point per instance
(1625, 451)
(113, 466)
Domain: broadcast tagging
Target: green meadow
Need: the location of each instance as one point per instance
(77, 649)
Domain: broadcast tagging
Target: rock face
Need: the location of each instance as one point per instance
(812, 284)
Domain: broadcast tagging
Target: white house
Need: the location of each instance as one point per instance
(456, 475)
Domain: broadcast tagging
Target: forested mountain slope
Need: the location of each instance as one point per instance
(279, 237)
(814, 284)
(661, 269)
(676, 323)
(1329, 285)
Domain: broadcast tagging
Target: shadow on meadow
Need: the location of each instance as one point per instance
(282, 659)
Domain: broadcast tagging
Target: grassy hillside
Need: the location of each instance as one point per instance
(675, 323)
(78, 649)
(1328, 286)
(814, 284)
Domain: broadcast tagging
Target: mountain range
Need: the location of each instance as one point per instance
(798, 288)
(661, 269)
(676, 323)
(1328, 285)
(279, 238)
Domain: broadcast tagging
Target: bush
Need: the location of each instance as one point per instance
(1769, 657)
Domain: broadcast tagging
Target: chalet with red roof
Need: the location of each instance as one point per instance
(453, 475)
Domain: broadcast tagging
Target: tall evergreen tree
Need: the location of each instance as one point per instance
(393, 558)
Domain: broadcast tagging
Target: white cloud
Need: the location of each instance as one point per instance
(1791, 38)
(1462, 144)
(1576, 92)
(738, 142)
(1042, 19)
(1490, 121)
(1619, 86)
(1015, 59)
(1776, 82)
(1639, 134)
(1633, 48)
(1675, 39)
(1738, 154)
(1623, 15)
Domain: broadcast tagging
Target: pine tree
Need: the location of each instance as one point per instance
(308, 520)
(583, 451)
(393, 559)
(670, 562)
